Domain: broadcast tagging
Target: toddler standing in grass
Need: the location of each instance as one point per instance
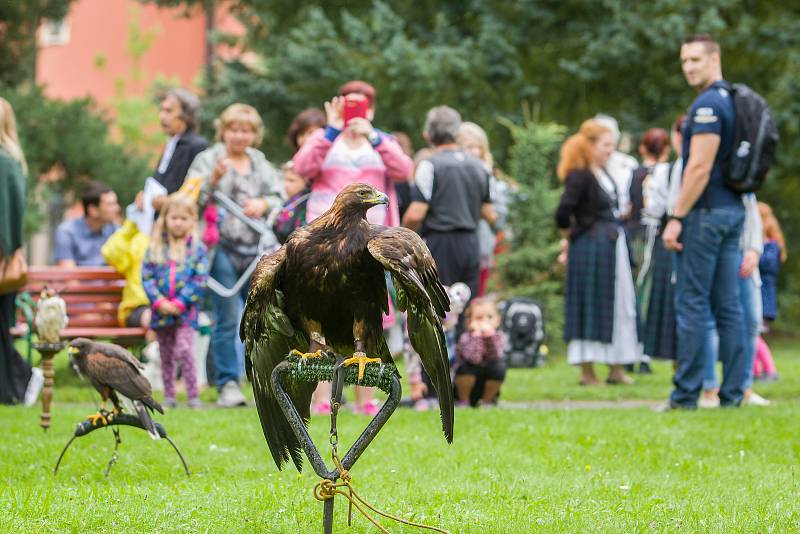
(770, 264)
(174, 275)
(480, 369)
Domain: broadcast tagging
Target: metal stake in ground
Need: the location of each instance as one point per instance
(328, 367)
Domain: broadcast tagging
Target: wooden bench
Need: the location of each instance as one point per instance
(92, 295)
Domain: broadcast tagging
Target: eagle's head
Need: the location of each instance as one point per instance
(357, 199)
(80, 347)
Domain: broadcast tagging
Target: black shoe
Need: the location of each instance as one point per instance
(628, 367)
(645, 369)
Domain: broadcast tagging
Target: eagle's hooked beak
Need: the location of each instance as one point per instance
(380, 198)
(73, 350)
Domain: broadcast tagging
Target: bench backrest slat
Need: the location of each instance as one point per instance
(47, 274)
(75, 288)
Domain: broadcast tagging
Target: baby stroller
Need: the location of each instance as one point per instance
(523, 323)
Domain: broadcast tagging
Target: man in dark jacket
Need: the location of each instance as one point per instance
(178, 116)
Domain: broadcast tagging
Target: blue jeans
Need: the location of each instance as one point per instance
(227, 349)
(707, 283)
(711, 355)
(752, 319)
(750, 297)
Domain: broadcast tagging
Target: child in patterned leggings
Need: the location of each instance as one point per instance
(174, 275)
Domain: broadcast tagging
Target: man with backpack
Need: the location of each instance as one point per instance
(705, 229)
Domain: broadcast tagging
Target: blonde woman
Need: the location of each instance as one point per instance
(474, 141)
(241, 172)
(18, 382)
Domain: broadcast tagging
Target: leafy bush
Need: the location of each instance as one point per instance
(74, 137)
(529, 267)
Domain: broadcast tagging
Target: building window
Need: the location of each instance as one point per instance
(54, 33)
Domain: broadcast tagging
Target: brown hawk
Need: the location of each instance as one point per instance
(112, 370)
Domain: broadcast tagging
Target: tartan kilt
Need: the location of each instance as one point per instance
(589, 300)
(659, 336)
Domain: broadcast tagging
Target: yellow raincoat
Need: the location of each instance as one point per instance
(124, 251)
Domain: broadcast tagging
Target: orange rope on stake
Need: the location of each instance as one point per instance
(327, 489)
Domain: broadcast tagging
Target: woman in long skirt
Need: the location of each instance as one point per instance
(600, 304)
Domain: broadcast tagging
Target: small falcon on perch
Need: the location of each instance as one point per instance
(112, 370)
(51, 316)
(325, 290)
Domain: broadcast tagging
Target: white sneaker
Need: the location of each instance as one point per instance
(705, 402)
(231, 396)
(755, 400)
(34, 387)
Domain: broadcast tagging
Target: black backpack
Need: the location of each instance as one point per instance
(523, 322)
(754, 141)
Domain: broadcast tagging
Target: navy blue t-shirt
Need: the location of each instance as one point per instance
(713, 112)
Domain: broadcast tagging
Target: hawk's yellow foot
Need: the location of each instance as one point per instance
(306, 355)
(362, 360)
(98, 416)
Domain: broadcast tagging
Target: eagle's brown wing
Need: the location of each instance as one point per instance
(419, 292)
(269, 335)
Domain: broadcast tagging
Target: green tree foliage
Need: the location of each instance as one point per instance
(306, 62)
(74, 137)
(529, 267)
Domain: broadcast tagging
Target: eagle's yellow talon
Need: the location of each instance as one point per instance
(97, 417)
(362, 360)
(306, 355)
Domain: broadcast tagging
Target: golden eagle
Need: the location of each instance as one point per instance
(325, 289)
(111, 370)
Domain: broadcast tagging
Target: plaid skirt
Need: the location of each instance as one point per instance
(589, 299)
(659, 333)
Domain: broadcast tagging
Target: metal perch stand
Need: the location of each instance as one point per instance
(329, 367)
(114, 421)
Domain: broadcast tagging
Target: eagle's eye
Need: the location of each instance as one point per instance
(363, 193)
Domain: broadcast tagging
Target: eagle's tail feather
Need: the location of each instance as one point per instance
(146, 420)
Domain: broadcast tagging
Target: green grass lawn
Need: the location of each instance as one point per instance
(508, 470)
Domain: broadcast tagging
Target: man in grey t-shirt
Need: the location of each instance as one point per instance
(450, 195)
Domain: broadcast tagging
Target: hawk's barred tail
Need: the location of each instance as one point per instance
(146, 420)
